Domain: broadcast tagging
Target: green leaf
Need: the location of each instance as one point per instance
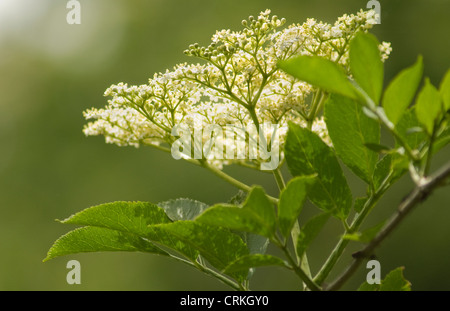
(442, 140)
(428, 106)
(247, 262)
(407, 129)
(395, 281)
(382, 171)
(320, 72)
(307, 154)
(257, 215)
(310, 231)
(400, 92)
(219, 246)
(292, 199)
(390, 168)
(350, 131)
(93, 239)
(394, 164)
(366, 287)
(366, 65)
(173, 243)
(444, 89)
(256, 244)
(183, 209)
(132, 217)
(366, 236)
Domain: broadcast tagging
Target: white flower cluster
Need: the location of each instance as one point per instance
(326, 40)
(237, 85)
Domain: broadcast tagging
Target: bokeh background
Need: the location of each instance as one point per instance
(51, 71)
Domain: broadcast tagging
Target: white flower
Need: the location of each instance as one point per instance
(237, 85)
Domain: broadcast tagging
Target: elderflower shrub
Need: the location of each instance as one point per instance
(313, 92)
(237, 86)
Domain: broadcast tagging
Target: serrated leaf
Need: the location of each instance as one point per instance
(256, 243)
(257, 215)
(320, 72)
(310, 231)
(401, 91)
(94, 239)
(428, 106)
(132, 217)
(219, 246)
(161, 238)
(350, 131)
(366, 65)
(444, 90)
(292, 199)
(366, 236)
(395, 281)
(183, 209)
(247, 262)
(307, 154)
(366, 287)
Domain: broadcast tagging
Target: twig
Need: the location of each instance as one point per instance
(418, 195)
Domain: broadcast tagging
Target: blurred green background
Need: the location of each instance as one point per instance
(51, 71)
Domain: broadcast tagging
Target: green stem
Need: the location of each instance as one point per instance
(300, 273)
(218, 276)
(429, 155)
(418, 195)
(312, 110)
(303, 261)
(254, 117)
(342, 244)
(279, 179)
(210, 272)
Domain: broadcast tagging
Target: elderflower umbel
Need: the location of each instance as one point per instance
(237, 85)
